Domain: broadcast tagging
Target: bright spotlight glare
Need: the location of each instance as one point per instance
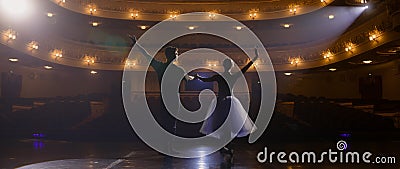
(366, 7)
(16, 8)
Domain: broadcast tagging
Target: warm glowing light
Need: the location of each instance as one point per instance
(327, 54)
(286, 25)
(238, 28)
(367, 61)
(134, 15)
(293, 9)
(288, 74)
(173, 15)
(92, 10)
(374, 34)
(33, 45)
(93, 72)
(16, 8)
(331, 16)
(50, 15)
(332, 69)
(57, 53)
(143, 27)
(48, 67)
(11, 34)
(95, 24)
(191, 27)
(211, 15)
(13, 60)
(349, 47)
(295, 60)
(253, 14)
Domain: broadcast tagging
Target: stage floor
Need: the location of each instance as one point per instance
(49, 154)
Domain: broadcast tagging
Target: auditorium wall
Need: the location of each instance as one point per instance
(38, 82)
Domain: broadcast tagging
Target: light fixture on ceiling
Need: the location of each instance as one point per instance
(331, 16)
(288, 74)
(95, 24)
(13, 60)
(143, 27)
(286, 25)
(238, 28)
(50, 15)
(192, 27)
(47, 67)
(332, 69)
(93, 72)
(367, 61)
(33, 45)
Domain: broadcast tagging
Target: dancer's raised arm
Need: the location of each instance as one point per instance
(245, 68)
(142, 50)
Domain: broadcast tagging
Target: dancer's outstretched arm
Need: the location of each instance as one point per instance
(245, 68)
(142, 50)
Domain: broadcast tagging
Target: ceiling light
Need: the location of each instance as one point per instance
(367, 61)
(331, 16)
(143, 27)
(238, 28)
(191, 27)
(13, 60)
(93, 72)
(95, 24)
(332, 69)
(286, 25)
(48, 67)
(288, 74)
(50, 15)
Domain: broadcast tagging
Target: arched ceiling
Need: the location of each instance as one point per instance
(156, 10)
(307, 37)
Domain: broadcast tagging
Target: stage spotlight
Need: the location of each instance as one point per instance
(16, 8)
